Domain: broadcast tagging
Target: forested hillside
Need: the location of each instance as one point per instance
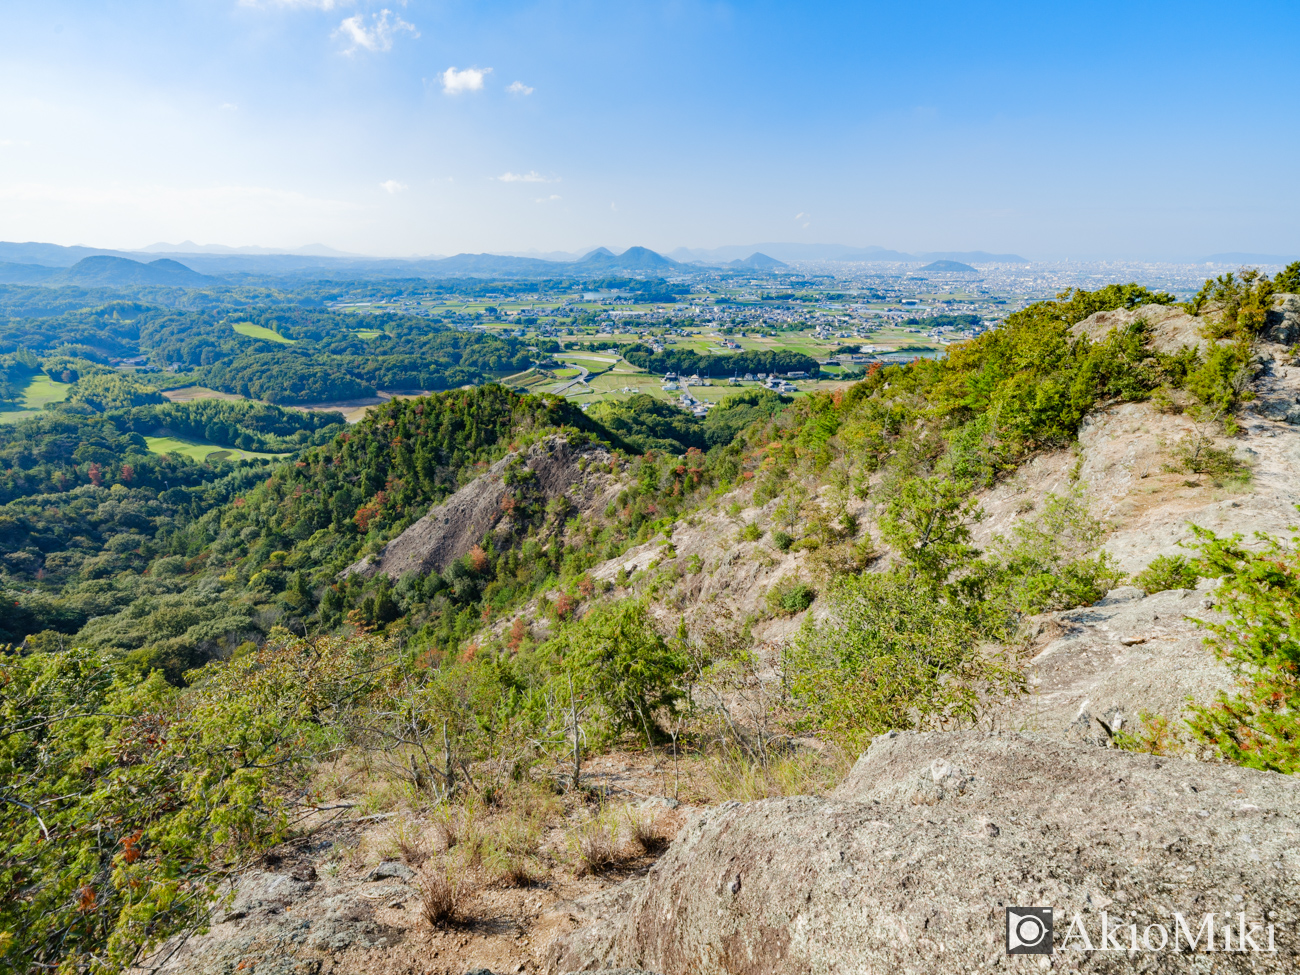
(283, 355)
(190, 630)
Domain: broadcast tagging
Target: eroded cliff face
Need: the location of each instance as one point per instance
(553, 468)
(911, 863)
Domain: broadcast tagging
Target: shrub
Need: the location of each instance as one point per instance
(790, 596)
(782, 540)
(1260, 641)
(1155, 735)
(891, 654)
(154, 794)
(1047, 563)
(1167, 572)
(615, 653)
(751, 532)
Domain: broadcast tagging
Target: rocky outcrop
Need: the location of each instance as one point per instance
(1171, 327)
(1095, 670)
(556, 468)
(282, 924)
(911, 864)
(1283, 322)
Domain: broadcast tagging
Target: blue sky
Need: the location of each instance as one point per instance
(1100, 130)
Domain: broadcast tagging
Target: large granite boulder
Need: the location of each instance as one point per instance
(912, 863)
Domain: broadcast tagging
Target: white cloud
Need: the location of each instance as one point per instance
(392, 186)
(799, 216)
(532, 176)
(228, 107)
(547, 199)
(471, 79)
(375, 34)
(519, 88)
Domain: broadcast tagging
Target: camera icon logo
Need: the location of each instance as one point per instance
(1029, 930)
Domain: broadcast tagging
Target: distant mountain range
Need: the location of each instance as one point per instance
(837, 252)
(34, 263)
(104, 270)
(190, 264)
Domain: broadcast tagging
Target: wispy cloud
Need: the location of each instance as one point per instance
(532, 176)
(374, 33)
(228, 107)
(519, 88)
(392, 186)
(547, 199)
(801, 216)
(471, 79)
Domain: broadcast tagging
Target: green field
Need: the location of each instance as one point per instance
(364, 333)
(258, 332)
(39, 391)
(200, 451)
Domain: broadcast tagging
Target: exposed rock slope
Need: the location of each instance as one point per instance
(909, 866)
(449, 530)
(1094, 670)
(1171, 326)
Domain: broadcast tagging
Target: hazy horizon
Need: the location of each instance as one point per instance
(1072, 133)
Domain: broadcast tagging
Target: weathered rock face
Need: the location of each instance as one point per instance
(1283, 322)
(281, 921)
(1095, 669)
(452, 528)
(910, 866)
(1171, 327)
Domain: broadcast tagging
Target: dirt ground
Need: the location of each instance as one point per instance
(349, 896)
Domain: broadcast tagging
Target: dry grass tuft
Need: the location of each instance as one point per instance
(648, 833)
(519, 872)
(405, 841)
(734, 775)
(597, 845)
(444, 836)
(443, 893)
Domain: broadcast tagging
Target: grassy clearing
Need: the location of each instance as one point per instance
(366, 333)
(200, 451)
(39, 391)
(187, 394)
(258, 332)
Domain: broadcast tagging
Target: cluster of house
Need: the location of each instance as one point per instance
(782, 384)
(692, 405)
(673, 381)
